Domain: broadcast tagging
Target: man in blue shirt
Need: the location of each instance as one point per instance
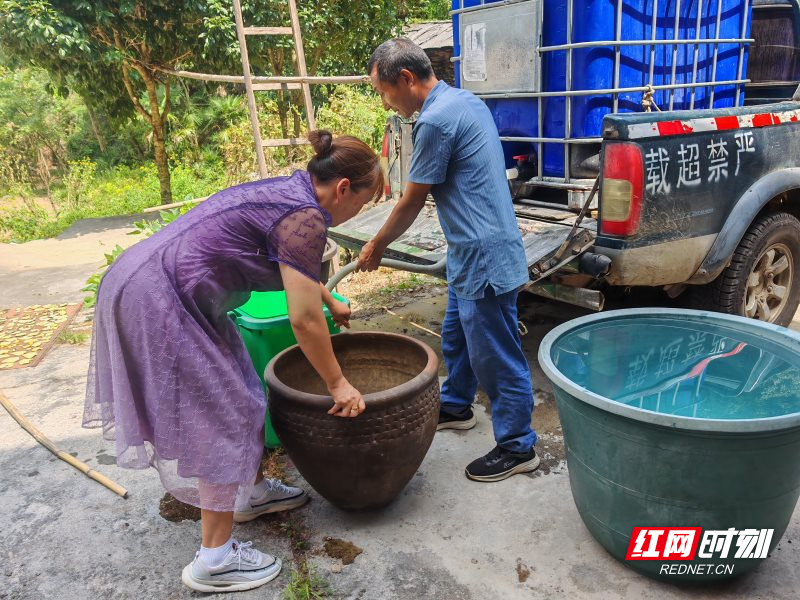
(457, 158)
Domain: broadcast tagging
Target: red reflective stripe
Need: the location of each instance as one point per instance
(673, 127)
(765, 119)
(724, 123)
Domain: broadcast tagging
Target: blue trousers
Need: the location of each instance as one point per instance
(481, 345)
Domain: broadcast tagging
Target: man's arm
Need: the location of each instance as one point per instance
(403, 215)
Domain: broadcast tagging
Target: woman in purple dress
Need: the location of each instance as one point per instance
(170, 378)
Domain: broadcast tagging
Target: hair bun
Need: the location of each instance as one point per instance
(321, 140)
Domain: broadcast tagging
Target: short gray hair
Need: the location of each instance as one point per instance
(393, 56)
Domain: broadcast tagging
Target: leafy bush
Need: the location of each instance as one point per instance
(145, 228)
(93, 283)
(356, 112)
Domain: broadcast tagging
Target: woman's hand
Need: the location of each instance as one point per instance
(340, 313)
(347, 400)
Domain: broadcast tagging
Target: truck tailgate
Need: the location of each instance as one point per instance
(543, 231)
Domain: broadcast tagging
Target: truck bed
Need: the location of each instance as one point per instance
(543, 230)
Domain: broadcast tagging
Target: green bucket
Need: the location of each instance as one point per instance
(263, 323)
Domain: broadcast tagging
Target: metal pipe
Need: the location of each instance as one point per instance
(607, 91)
(437, 269)
(461, 37)
(653, 31)
(617, 55)
(697, 25)
(568, 99)
(716, 54)
(540, 109)
(599, 44)
(583, 297)
(461, 10)
(534, 140)
(559, 184)
(740, 67)
(675, 52)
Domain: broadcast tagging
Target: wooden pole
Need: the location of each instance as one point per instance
(248, 84)
(259, 79)
(410, 322)
(301, 64)
(67, 458)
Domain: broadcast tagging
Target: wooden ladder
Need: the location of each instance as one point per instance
(250, 86)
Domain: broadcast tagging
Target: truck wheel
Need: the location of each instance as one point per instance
(763, 279)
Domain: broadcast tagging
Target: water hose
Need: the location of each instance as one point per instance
(437, 269)
(67, 458)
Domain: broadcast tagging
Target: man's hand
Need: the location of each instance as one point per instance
(401, 218)
(340, 313)
(370, 257)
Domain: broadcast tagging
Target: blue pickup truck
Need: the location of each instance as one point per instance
(647, 144)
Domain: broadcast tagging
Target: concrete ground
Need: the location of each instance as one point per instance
(64, 536)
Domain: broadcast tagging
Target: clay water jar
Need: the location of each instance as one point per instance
(363, 462)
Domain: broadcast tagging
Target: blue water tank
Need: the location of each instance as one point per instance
(593, 68)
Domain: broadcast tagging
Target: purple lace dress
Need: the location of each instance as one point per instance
(170, 379)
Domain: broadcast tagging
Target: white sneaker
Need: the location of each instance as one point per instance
(244, 568)
(276, 498)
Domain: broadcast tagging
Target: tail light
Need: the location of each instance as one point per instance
(622, 189)
(387, 188)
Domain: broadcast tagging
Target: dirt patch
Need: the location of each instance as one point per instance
(176, 511)
(342, 549)
(273, 465)
(550, 443)
(523, 571)
(106, 459)
(368, 292)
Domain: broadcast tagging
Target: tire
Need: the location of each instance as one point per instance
(762, 280)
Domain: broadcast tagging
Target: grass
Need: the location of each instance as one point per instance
(72, 337)
(400, 285)
(120, 191)
(306, 584)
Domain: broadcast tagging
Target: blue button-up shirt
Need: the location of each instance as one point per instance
(457, 150)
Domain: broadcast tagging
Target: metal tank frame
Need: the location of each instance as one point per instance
(584, 185)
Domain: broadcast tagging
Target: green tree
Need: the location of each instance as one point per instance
(37, 124)
(110, 49)
(113, 52)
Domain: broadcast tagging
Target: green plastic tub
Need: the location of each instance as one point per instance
(263, 323)
(678, 418)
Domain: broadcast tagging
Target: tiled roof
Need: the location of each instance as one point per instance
(434, 34)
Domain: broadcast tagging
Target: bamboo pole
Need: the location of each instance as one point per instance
(67, 458)
(314, 80)
(248, 85)
(161, 207)
(410, 322)
(301, 65)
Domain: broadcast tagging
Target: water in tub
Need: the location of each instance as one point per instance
(686, 369)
